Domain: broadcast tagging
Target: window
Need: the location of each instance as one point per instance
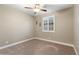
(48, 24)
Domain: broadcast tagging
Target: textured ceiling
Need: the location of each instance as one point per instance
(49, 7)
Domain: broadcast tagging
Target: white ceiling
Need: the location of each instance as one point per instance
(49, 7)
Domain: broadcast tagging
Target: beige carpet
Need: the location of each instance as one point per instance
(38, 47)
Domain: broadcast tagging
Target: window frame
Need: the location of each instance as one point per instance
(47, 19)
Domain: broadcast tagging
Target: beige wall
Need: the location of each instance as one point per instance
(64, 27)
(14, 25)
(76, 27)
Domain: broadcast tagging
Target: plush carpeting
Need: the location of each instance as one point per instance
(38, 47)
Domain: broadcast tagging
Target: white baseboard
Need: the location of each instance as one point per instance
(66, 44)
(75, 50)
(9, 45)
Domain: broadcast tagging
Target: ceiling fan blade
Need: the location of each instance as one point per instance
(28, 7)
(44, 10)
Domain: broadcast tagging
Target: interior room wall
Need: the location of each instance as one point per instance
(76, 27)
(63, 26)
(14, 25)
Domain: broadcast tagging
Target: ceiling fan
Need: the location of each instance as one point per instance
(36, 8)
